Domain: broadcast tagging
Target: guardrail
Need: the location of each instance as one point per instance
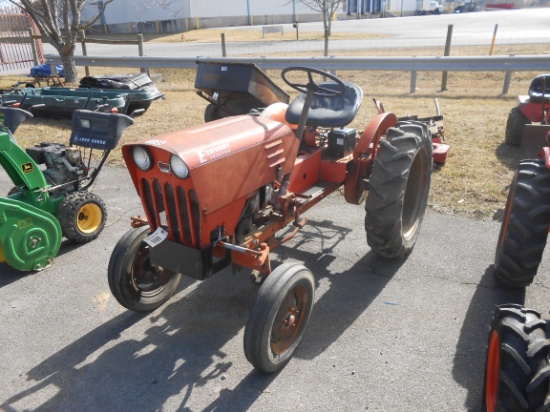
(506, 64)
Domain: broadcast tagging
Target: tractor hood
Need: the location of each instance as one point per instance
(227, 158)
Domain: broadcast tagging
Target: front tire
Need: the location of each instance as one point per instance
(514, 127)
(524, 229)
(134, 281)
(278, 317)
(82, 216)
(517, 365)
(398, 190)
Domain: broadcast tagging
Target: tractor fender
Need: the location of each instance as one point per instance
(531, 110)
(545, 153)
(29, 237)
(354, 188)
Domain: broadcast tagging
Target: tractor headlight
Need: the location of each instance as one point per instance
(178, 167)
(142, 158)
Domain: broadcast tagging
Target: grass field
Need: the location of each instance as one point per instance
(475, 180)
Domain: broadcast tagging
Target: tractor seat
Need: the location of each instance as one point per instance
(540, 89)
(336, 111)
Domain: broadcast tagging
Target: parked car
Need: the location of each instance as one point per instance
(467, 8)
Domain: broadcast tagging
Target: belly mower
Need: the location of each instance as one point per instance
(50, 197)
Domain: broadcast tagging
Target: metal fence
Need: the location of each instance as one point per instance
(505, 64)
(18, 49)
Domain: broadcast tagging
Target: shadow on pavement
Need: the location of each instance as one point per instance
(8, 274)
(182, 344)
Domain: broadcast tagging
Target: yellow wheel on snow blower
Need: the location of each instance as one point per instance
(82, 216)
(89, 218)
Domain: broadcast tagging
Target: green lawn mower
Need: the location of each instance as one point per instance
(50, 197)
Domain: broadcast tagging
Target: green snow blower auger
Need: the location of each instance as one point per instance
(50, 197)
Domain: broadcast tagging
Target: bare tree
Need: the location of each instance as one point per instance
(327, 8)
(60, 21)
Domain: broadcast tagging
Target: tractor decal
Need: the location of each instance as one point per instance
(27, 167)
(211, 153)
(24, 223)
(155, 142)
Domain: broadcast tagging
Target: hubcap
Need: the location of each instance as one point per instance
(89, 218)
(146, 278)
(493, 366)
(289, 320)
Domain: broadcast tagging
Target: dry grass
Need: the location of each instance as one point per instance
(474, 181)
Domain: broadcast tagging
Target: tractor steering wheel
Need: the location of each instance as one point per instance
(318, 90)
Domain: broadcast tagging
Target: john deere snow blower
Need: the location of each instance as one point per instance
(50, 197)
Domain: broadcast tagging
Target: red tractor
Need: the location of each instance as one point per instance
(517, 374)
(217, 194)
(530, 109)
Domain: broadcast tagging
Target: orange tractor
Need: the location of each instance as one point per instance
(217, 194)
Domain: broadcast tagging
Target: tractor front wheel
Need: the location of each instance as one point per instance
(524, 229)
(82, 216)
(135, 282)
(517, 369)
(398, 190)
(514, 127)
(278, 317)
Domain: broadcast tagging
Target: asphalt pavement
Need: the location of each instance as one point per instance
(384, 335)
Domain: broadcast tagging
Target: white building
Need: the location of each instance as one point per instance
(169, 16)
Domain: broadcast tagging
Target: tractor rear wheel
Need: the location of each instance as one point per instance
(398, 190)
(517, 369)
(514, 127)
(212, 112)
(278, 317)
(524, 229)
(82, 216)
(134, 281)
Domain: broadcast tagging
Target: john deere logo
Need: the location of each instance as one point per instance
(27, 167)
(24, 223)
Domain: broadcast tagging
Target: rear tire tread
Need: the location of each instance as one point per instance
(521, 247)
(524, 370)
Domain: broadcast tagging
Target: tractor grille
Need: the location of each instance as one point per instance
(174, 208)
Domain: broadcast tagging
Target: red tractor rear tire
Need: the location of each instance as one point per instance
(517, 367)
(514, 127)
(524, 228)
(211, 113)
(398, 190)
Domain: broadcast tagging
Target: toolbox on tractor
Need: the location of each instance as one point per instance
(235, 88)
(219, 194)
(50, 197)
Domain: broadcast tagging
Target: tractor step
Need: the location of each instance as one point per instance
(315, 194)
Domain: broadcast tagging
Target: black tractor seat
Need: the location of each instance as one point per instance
(540, 89)
(338, 111)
